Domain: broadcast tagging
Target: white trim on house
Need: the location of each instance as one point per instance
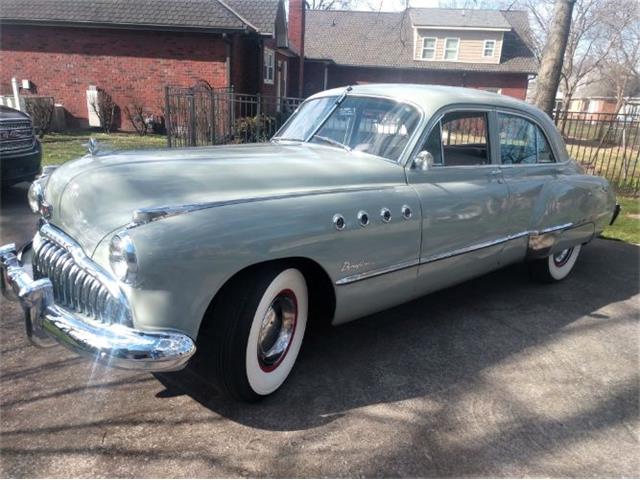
(445, 49)
(480, 29)
(485, 48)
(269, 66)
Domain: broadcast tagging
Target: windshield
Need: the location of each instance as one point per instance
(377, 126)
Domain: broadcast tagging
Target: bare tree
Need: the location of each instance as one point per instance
(553, 56)
(619, 72)
(330, 4)
(138, 118)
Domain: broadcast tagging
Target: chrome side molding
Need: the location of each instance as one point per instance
(541, 244)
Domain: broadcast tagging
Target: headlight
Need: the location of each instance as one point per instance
(36, 196)
(123, 257)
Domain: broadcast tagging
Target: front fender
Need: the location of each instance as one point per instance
(184, 260)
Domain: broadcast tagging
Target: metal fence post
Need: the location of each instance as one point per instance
(167, 115)
(192, 120)
(258, 118)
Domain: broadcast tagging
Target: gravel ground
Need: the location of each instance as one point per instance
(498, 377)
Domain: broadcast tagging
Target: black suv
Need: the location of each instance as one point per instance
(20, 151)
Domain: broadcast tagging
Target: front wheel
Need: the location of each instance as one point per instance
(555, 267)
(256, 332)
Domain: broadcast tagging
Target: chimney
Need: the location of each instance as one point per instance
(296, 36)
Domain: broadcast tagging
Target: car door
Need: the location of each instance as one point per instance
(529, 166)
(463, 197)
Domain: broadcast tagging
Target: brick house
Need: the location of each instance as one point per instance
(485, 49)
(133, 49)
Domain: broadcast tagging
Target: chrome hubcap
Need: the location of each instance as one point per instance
(560, 259)
(277, 329)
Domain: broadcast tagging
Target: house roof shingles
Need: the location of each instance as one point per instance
(183, 14)
(385, 39)
(457, 17)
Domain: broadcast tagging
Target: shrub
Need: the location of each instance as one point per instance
(259, 128)
(141, 122)
(41, 111)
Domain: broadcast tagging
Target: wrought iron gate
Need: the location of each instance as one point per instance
(201, 115)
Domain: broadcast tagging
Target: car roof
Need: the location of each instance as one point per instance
(434, 97)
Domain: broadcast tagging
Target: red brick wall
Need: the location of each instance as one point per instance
(514, 85)
(129, 65)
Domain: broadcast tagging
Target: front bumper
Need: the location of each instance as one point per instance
(19, 167)
(113, 345)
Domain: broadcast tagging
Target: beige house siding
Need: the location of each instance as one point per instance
(470, 47)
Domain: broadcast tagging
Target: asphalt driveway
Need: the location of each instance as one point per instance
(496, 377)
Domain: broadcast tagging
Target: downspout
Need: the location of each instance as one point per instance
(326, 76)
(227, 48)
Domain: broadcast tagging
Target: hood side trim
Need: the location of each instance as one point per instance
(147, 215)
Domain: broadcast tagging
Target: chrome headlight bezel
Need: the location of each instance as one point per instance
(35, 196)
(123, 258)
(36, 192)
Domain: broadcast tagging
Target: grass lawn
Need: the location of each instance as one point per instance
(627, 226)
(58, 148)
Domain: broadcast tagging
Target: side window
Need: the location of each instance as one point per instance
(522, 142)
(545, 155)
(460, 139)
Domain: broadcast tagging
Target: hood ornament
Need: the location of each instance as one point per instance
(93, 146)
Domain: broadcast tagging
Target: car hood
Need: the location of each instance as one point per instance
(96, 195)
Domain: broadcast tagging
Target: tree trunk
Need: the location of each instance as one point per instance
(553, 56)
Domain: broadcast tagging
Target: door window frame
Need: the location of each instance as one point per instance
(530, 118)
(489, 111)
(493, 138)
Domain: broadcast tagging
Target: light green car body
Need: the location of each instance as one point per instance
(233, 207)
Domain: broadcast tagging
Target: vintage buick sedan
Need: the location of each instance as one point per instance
(368, 197)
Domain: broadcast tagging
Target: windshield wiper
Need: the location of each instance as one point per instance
(285, 139)
(331, 141)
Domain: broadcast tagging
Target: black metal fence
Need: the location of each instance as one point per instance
(202, 115)
(604, 144)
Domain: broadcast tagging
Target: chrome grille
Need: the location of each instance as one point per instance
(16, 136)
(73, 286)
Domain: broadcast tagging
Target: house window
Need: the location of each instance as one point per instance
(269, 66)
(451, 48)
(428, 48)
(489, 48)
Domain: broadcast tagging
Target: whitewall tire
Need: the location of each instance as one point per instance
(251, 337)
(276, 332)
(555, 267)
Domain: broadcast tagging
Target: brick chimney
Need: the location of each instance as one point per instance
(296, 29)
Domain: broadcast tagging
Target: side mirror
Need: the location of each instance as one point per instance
(423, 161)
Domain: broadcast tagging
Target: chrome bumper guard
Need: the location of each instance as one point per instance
(112, 345)
(616, 212)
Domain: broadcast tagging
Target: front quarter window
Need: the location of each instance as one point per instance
(307, 119)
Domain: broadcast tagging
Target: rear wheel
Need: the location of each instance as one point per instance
(555, 267)
(255, 333)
